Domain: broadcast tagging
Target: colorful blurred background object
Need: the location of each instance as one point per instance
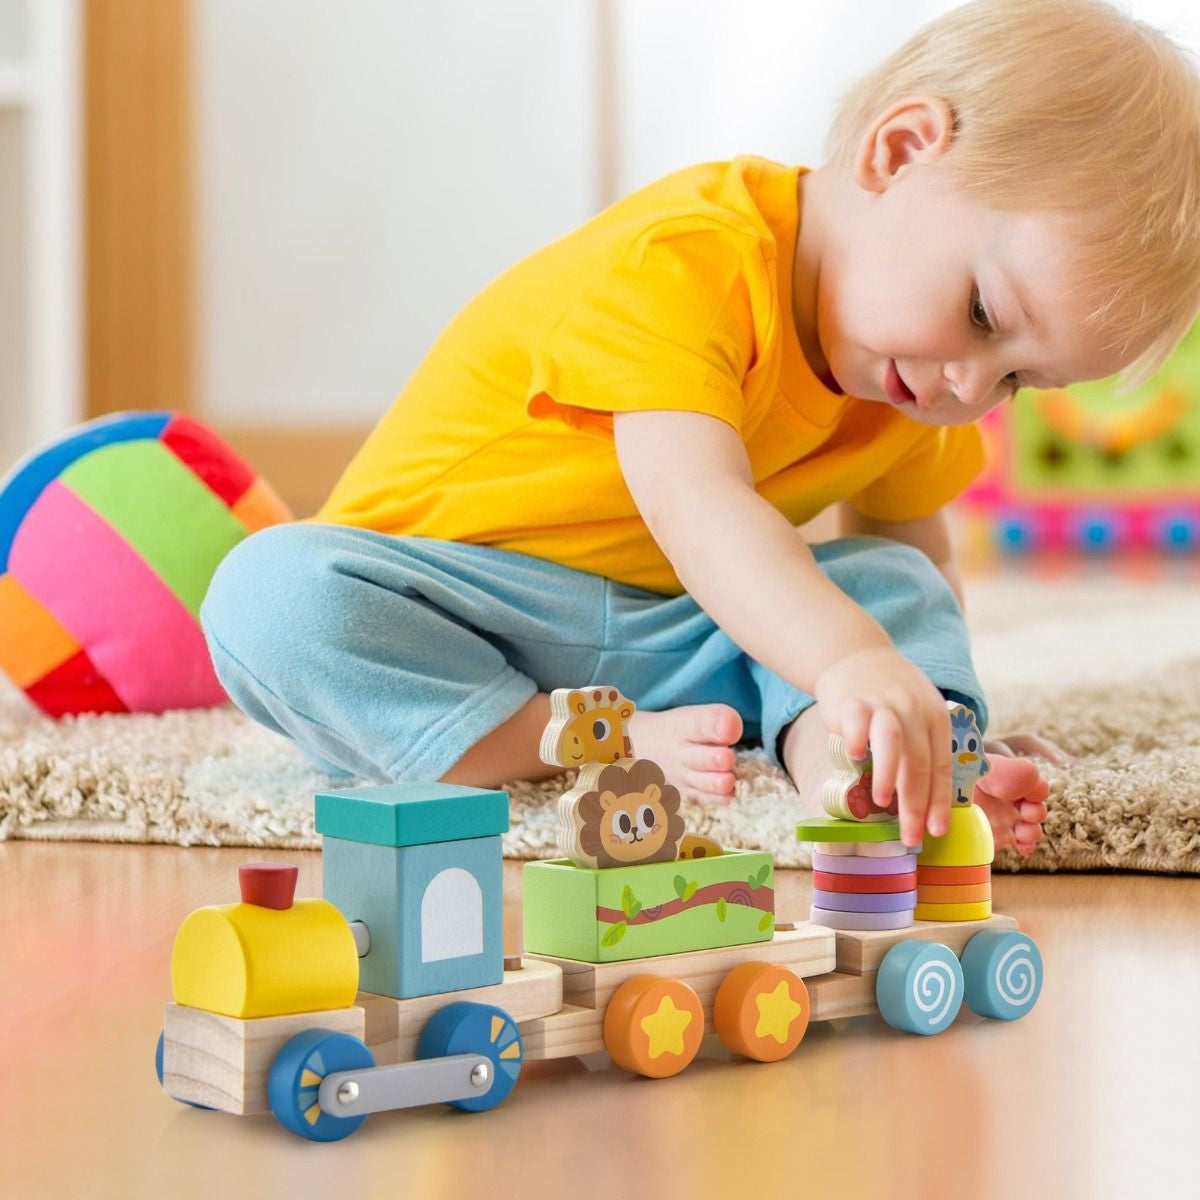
(108, 539)
(1086, 468)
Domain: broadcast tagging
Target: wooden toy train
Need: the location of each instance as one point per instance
(394, 991)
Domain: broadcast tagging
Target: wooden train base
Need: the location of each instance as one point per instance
(393, 990)
(563, 1008)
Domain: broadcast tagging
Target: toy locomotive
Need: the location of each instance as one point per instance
(394, 991)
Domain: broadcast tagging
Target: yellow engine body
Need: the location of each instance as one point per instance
(243, 960)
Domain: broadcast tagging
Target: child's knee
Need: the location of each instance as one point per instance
(261, 593)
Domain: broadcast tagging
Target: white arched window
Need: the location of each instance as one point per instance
(451, 916)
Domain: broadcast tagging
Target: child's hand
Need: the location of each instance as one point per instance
(877, 698)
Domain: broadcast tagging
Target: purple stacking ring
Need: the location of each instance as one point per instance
(858, 902)
(860, 921)
(854, 864)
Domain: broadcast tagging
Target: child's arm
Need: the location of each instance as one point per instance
(747, 566)
(930, 534)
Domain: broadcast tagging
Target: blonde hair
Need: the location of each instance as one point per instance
(1074, 107)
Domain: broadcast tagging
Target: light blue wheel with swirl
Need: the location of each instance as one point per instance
(465, 1027)
(294, 1082)
(1003, 970)
(919, 988)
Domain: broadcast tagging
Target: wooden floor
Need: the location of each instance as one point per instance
(1094, 1094)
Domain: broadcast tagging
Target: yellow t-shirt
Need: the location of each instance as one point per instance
(677, 297)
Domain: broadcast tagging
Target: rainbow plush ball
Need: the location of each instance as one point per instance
(108, 540)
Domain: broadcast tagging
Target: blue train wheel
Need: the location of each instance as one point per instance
(158, 1070)
(1003, 971)
(919, 988)
(295, 1080)
(468, 1028)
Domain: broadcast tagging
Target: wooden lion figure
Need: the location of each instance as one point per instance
(620, 813)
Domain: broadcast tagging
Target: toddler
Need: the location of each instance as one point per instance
(597, 473)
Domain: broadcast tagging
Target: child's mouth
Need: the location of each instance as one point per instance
(898, 392)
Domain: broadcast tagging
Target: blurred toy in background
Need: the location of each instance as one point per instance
(1088, 468)
(108, 539)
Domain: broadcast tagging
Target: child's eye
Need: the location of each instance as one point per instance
(979, 314)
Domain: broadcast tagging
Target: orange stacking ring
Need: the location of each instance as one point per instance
(979, 874)
(964, 893)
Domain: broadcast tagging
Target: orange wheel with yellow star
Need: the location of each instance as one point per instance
(761, 1011)
(653, 1026)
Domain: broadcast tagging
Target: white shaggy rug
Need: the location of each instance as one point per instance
(1107, 667)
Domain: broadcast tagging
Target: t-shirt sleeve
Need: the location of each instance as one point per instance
(941, 464)
(668, 326)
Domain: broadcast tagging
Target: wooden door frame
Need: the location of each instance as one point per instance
(138, 178)
(140, 258)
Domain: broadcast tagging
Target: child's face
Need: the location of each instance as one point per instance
(924, 297)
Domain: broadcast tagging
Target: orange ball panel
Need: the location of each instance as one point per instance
(34, 642)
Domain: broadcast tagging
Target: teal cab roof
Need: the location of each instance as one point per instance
(411, 814)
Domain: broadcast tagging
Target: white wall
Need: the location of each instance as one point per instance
(366, 167)
(706, 79)
(41, 265)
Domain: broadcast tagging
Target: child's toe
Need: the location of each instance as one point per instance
(725, 725)
(709, 787)
(1033, 811)
(704, 757)
(1011, 778)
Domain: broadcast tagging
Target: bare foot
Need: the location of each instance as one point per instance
(1013, 794)
(694, 747)
(806, 759)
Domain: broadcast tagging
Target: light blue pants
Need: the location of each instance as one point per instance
(388, 657)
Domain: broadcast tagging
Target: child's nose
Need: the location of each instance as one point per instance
(974, 383)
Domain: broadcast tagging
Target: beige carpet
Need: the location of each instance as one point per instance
(1108, 667)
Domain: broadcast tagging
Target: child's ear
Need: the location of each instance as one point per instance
(917, 129)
